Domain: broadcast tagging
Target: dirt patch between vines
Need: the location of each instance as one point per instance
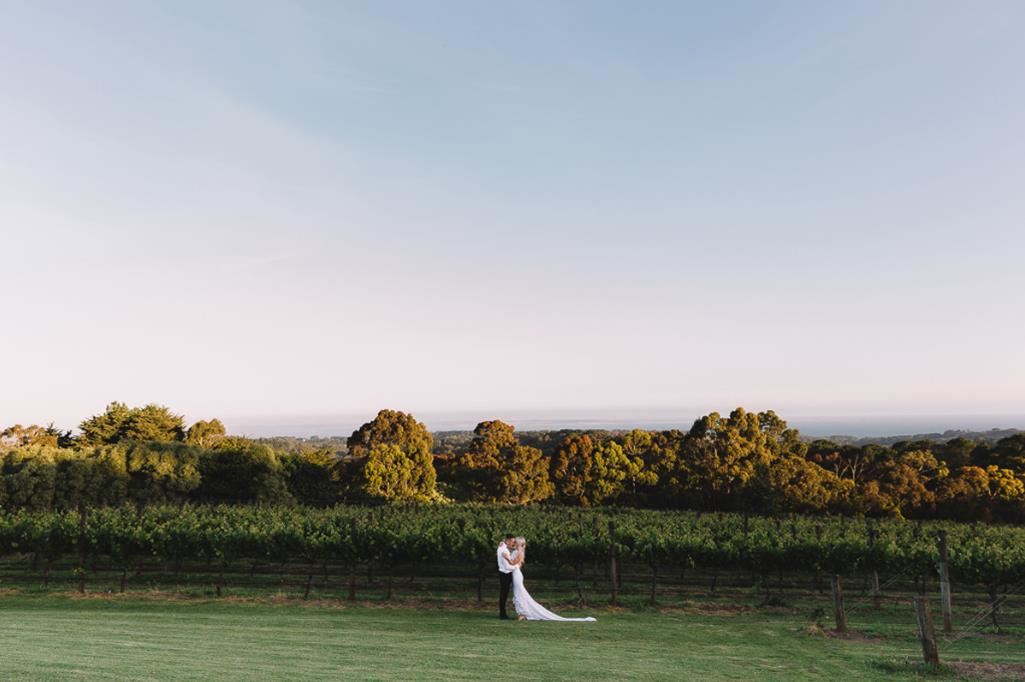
(814, 630)
(709, 609)
(990, 671)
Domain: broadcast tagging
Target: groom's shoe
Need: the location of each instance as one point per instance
(504, 617)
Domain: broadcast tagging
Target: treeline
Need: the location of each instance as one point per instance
(988, 436)
(750, 462)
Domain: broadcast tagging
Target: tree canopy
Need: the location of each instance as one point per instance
(496, 468)
(393, 459)
(754, 462)
(119, 422)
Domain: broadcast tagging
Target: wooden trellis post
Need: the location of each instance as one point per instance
(613, 569)
(875, 573)
(925, 632)
(83, 515)
(839, 614)
(352, 567)
(945, 602)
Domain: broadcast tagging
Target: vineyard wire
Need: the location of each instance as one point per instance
(976, 622)
(888, 583)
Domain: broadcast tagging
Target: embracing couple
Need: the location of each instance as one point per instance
(512, 553)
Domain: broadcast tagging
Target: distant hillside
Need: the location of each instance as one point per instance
(452, 440)
(989, 436)
(449, 442)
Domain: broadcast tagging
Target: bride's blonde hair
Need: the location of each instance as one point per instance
(521, 546)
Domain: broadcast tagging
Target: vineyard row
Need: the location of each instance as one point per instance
(468, 534)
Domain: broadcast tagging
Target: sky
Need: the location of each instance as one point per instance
(257, 209)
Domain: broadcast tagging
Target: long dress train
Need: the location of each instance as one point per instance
(530, 609)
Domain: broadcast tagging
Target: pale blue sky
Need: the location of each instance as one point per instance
(313, 208)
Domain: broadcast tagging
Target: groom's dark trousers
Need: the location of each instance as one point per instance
(505, 581)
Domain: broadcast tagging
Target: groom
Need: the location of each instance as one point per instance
(505, 569)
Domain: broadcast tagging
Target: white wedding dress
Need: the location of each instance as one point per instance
(530, 609)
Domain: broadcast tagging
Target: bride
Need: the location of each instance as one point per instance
(526, 607)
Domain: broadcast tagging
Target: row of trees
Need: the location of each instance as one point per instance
(745, 461)
(39, 477)
(119, 423)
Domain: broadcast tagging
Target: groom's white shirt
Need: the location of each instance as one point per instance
(503, 559)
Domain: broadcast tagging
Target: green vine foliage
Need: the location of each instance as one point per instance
(468, 534)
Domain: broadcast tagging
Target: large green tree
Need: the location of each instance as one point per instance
(394, 428)
(239, 471)
(312, 476)
(28, 477)
(160, 472)
(846, 461)
(205, 433)
(107, 427)
(496, 468)
(649, 462)
(589, 472)
(93, 477)
(389, 474)
(392, 458)
(790, 483)
(1009, 453)
(904, 483)
(17, 436)
(119, 422)
(721, 456)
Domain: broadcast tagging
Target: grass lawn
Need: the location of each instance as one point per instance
(48, 636)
